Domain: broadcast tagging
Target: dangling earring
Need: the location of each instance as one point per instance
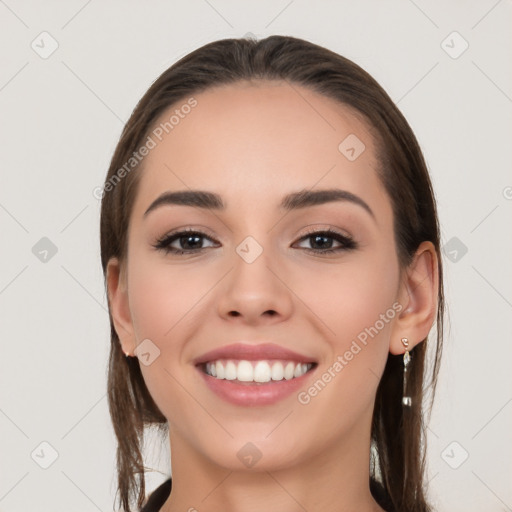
(406, 400)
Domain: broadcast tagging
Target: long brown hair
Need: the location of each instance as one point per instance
(398, 433)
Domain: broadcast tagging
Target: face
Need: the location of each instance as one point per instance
(258, 278)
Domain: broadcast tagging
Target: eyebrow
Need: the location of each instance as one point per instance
(294, 201)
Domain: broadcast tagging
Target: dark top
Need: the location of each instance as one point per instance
(159, 496)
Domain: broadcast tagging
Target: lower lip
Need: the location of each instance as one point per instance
(252, 394)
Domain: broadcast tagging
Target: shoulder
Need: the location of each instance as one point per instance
(158, 497)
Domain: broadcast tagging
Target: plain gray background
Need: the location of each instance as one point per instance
(448, 67)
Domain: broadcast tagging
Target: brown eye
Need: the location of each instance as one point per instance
(190, 241)
(324, 238)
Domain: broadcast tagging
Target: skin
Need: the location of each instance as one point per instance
(253, 143)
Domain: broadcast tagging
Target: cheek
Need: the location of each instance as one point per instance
(352, 295)
(359, 314)
(164, 301)
(356, 301)
(163, 298)
(167, 303)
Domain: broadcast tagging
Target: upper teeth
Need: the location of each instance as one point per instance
(256, 371)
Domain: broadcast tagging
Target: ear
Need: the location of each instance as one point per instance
(119, 306)
(418, 296)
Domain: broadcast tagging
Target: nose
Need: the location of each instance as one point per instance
(255, 291)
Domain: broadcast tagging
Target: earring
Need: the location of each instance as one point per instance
(406, 400)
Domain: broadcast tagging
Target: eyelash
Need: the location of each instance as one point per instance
(163, 243)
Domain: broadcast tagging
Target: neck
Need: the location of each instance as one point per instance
(335, 480)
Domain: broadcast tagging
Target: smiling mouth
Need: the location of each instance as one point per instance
(255, 372)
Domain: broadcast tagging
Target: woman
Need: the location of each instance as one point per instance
(271, 252)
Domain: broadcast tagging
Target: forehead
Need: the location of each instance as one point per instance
(257, 141)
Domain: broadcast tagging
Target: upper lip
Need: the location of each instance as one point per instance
(249, 352)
